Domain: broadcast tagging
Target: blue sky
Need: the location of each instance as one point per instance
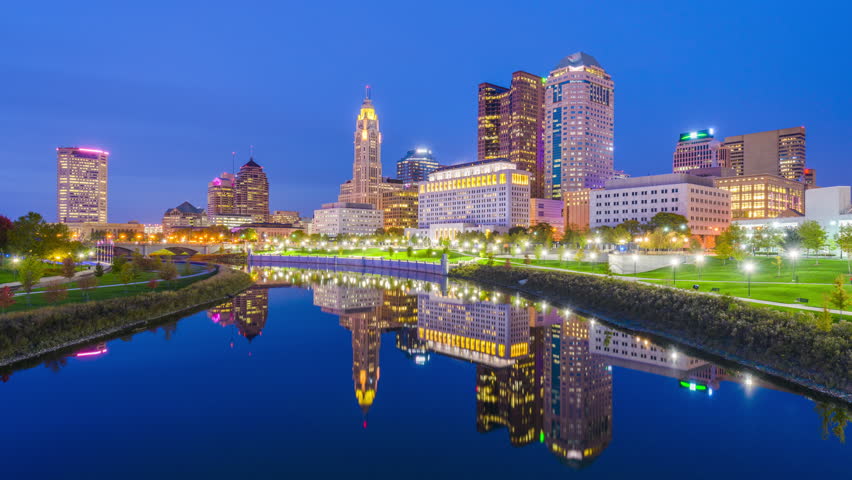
(172, 88)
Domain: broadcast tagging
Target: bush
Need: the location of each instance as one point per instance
(785, 341)
(28, 333)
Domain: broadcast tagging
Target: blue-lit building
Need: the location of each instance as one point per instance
(416, 165)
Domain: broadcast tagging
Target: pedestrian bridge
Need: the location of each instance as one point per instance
(176, 248)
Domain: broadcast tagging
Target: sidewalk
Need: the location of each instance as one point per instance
(118, 284)
(56, 278)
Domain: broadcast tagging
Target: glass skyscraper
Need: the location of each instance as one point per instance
(416, 166)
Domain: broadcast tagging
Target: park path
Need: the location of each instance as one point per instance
(145, 282)
(56, 278)
(745, 299)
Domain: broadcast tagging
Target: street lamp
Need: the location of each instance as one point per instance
(794, 254)
(15, 261)
(635, 259)
(675, 263)
(699, 261)
(749, 268)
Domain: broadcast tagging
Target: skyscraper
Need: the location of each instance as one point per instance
(511, 123)
(697, 149)
(776, 152)
(220, 195)
(81, 185)
(579, 105)
(251, 192)
(415, 166)
(366, 183)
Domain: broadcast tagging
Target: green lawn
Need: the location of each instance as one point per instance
(7, 274)
(568, 265)
(770, 292)
(399, 254)
(37, 300)
(765, 271)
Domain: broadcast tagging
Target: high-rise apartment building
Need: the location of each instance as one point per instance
(416, 166)
(776, 152)
(698, 149)
(577, 209)
(399, 208)
(220, 195)
(763, 196)
(81, 185)
(251, 192)
(579, 106)
(511, 125)
(365, 186)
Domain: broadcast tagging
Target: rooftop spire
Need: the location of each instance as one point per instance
(367, 92)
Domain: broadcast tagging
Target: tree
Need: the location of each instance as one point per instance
(729, 242)
(409, 252)
(834, 419)
(844, 241)
(515, 231)
(29, 274)
(168, 271)
(55, 292)
(187, 268)
(813, 236)
(538, 252)
(152, 284)
(790, 240)
(580, 255)
(542, 233)
(126, 274)
(6, 227)
(839, 297)
(778, 262)
(99, 270)
(7, 298)
(670, 222)
(633, 227)
(118, 262)
(824, 321)
(87, 283)
(31, 235)
(69, 268)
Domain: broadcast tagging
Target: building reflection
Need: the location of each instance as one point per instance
(248, 312)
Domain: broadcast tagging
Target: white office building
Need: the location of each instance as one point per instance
(488, 196)
(338, 218)
(706, 208)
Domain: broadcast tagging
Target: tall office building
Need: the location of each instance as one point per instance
(365, 186)
(579, 106)
(220, 195)
(81, 185)
(776, 152)
(697, 149)
(511, 125)
(416, 166)
(251, 192)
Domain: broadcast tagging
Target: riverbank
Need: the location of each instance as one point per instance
(786, 345)
(38, 332)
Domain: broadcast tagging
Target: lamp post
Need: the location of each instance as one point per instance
(635, 260)
(699, 262)
(675, 263)
(749, 268)
(794, 255)
(15, 261)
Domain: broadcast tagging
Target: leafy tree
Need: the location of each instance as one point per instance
(55, 292)
(730, 242)
(152, 284)
(790, 240)
(670, 222)
(127, 274)
(632, 227)
(87, 283)
(69, 268)
(813, 236)
(839, 297)
(6, 227)
(778, 262)
(844, 241)
(187, 268)
(99, 270)
(409, 251)
(7, 298)
(542, 233)
(834, 420)
(29, 274)
(824, 320)
(580, 255)
(168, 271)
(31, 235)
(515, 231)
(391, 251)
(538, 252)
(118, 262)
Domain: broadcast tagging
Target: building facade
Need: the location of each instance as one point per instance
(399, 208)
(511, 125)
(579, 105)
(290, 217)
(229, 221)
(251, 192)
(491, 195)
(220, 195)
(577, 209)
(334, 219)
(707, 208)
(184, 215)
(416, 166)
(698, 149)
(775, 152)
(763, 196)
(81, 185)
(549, 211)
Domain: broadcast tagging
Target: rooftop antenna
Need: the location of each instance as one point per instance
(251, 150)
(367, 93)
(234, 163)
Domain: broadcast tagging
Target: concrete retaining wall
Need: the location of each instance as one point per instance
(349, 263)
(623, 264)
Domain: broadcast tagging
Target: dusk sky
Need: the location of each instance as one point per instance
(172, 88)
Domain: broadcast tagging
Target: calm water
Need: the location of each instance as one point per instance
(367, 377)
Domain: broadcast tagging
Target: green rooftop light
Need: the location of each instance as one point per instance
(696, 135)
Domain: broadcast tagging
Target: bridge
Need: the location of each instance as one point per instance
(145, 248)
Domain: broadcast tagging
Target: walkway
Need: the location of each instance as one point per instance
(111, 285)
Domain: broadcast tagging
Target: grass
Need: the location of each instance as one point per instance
(769, 292)
(37, 299)
(807, 270)
(7, 274)
(399, 254)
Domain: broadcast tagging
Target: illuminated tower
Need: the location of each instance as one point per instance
(250, 311)
(579, 106)
(81, 185)
(416, 165)
(220, 195)
(697, 150)
(251, 192)
(366, 183)
(511, 123)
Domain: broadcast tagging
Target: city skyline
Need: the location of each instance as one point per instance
(170, 120)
